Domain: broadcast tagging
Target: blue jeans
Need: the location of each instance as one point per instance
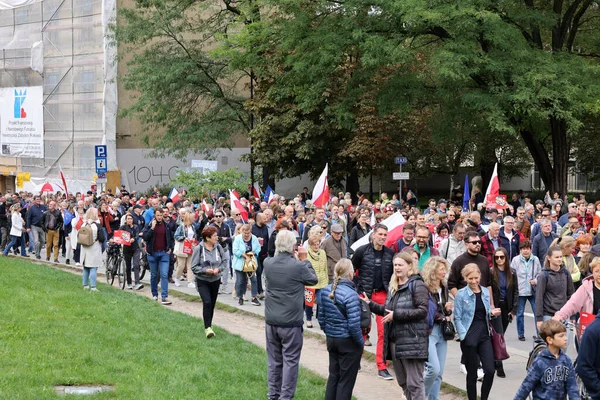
(241, 283)
(434, 367)
(89, 273)
(159, 261)
(15, 241)
(520, 314)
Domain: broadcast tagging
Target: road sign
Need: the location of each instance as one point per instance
(101, 166)
(101, 180)
(101, 151)
(400, 160)
(401, 176)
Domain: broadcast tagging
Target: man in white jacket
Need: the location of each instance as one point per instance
(454, 245)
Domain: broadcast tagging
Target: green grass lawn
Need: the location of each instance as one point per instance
(53, 333)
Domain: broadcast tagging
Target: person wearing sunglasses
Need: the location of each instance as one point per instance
(505, 292)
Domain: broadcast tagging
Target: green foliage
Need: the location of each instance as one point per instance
(200, 184)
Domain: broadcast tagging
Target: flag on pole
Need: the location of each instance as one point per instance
(204, 206)
(320, 196)
(236, 203)
(269, 194)
(174, 195)
(117, 191)
(394, 223)
(466, 194)
(493, 189)
(64, 181)
(256, 192)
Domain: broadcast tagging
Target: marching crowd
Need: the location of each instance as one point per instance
(451, 274)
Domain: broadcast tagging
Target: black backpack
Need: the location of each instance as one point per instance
(365, 313)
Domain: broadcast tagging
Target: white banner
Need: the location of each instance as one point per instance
(22, 122)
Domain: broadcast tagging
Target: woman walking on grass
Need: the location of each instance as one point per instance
(91, 256)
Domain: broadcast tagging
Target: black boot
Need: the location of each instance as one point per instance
(500, 369)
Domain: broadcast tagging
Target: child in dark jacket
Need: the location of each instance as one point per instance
(552, 375)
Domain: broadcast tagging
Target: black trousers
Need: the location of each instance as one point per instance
(208, 293)
(478, 346)
(344, 362)
(503, 305)
(259, 271)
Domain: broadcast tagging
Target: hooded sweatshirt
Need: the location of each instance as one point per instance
(550, 378)
(203, 259)
(554, 289)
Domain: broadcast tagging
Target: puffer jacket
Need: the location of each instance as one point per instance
(364, 262)
(332, 320)
(408, 328)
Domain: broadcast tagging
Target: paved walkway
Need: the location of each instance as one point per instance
(502, 388)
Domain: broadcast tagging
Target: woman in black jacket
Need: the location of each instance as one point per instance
(282, 224)
(362, 228)
(406, 337)
(505, 291)
(132, 252)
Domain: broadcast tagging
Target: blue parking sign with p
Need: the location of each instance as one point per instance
(100, 151)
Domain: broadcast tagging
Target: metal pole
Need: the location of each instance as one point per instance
(400, 188)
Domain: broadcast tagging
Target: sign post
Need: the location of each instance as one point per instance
(101, 164)
(400, 161)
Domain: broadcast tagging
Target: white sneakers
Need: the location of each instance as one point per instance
(177, 283)
(463, 370)
(192, 285)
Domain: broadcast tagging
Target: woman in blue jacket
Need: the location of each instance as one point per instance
(244, 244)
(472, 313)
(339, 317)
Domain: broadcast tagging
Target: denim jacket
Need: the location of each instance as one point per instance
(464, 309)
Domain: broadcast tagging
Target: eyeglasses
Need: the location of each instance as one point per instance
(499, 257)
(475, 242)
(336, 233)
(236, 215)
(545, 215)
(218, 216)
(423, 237)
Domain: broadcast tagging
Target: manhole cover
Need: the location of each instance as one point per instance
(83, 390)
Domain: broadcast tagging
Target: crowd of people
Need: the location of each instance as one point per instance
(451, 270)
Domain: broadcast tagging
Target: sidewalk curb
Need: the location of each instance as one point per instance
(446, 388)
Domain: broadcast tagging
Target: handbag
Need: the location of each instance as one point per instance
(250, 264)
(448, 329)
(188, 246)
(498, 344)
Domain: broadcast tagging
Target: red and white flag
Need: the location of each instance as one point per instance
(236, 203)
(320, 196)
(174, 195)
(64, 181)
(373, 220)
(256, 192)
(394, 223)
(204, 206)
(493, 189)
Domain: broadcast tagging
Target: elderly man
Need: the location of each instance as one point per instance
(509, 238)
(542, 241)
(286, 278)
(454, 245)
(490, 242)
(336, 248)
(52, 221)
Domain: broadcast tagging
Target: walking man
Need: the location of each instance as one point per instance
(52, 221)
(159, 243)
(286, 278)
(33, 223)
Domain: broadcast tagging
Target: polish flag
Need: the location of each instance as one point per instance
(493, 189)
(394, 223)
(204, 206)
(117, 191)
(256, 192)
(269, 194)
(174, 195)
(64, 181)
(236, 203)
(320, 196)
(373, 220)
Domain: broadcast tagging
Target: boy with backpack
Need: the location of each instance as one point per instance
(551, 375)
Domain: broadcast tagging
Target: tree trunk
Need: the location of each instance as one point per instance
(451, 185)
(352, 183)
(540, 158)
(371, 187)
(266, 178)
(560, 152)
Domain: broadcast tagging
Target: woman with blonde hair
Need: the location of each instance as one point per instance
(91, 256)
(567, 245)
(472, 313)
(434, 275)
(245, 246)
(406, 337)
(184, 231)
(318, 260)
(339, 317)
(16, 230)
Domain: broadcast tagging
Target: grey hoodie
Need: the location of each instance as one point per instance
(553, 293)
(203, 259)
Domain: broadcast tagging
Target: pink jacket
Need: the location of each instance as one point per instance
(581, 301)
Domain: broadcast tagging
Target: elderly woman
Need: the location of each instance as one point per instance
(434, 275)
(209, 262)
(318, 260)
(406, 338)
(245, 246)
(339, 317)
(472, 312)
(91, 256)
